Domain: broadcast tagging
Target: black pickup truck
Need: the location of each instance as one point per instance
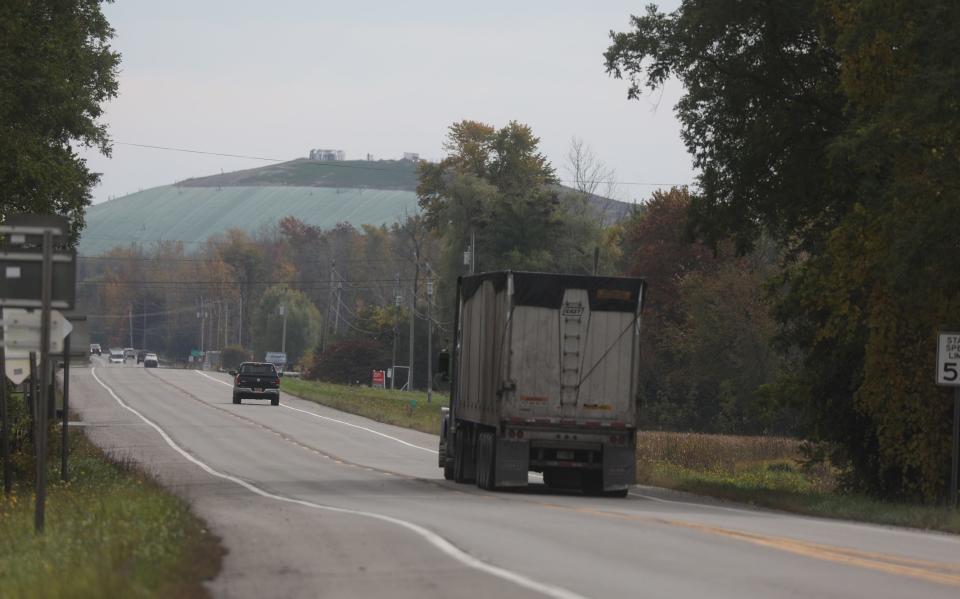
(256, 380)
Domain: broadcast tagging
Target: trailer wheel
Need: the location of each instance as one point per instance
(448, 471)
(460, 457)
(592, 482)
(486, 461)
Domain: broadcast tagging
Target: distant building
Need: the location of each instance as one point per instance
(411, 156)
(369, 157)
(327, 155)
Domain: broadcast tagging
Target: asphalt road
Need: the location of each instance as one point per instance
(311, 502)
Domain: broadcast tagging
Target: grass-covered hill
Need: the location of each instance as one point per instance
(323, 194)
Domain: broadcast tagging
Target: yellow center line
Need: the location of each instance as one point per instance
(937, 572)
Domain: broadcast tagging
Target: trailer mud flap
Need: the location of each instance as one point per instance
(513, 462)
(619, 467)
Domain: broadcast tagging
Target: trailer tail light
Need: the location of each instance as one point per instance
(519, 434)
(515, 434)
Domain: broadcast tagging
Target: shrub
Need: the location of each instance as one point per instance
(232, 356)
(349, 361)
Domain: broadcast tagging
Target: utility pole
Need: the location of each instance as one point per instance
(201, 316)
(336, 320)
(130, 316)
(429, 334)
(396, 313)
(226, 322)
(327, 330)
(144, 336)
(240, 322)
(5, 433)
(473, 252)
(283, 339)
(413, 318)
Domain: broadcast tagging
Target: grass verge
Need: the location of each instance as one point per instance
(402, 408)
(767, 472)
(110, 532)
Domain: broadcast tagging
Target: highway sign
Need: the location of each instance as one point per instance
(17, 369)
(21, 331)
(20, 279)
(948, 359)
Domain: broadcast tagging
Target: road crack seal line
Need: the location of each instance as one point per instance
(431, 537)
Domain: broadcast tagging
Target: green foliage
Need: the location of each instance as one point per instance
(761, 105)
(833, 126)
(303, 323)
(56, 71)
(707, 331)
(350, 362)
(233, 355)
(496, 184)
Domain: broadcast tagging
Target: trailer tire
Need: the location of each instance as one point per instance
(592, 482)
(448, 471)
(460, 457)
(618, 493)
(486, 461)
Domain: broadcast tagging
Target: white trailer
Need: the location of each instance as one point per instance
(544, 379)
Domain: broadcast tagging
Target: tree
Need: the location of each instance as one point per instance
(591, 177)
(832, 126)
(495, 184)
(56, 71)
(762, 104)
(303, 323)
(349, 362)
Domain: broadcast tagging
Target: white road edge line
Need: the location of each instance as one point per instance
(431, 537)
(701, 506)
(315, 415)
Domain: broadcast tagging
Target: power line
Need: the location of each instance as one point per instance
(334, 164)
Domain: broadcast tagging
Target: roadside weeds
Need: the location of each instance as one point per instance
(111, 531)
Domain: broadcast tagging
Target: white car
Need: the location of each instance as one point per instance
(151, 361)
(116, 356)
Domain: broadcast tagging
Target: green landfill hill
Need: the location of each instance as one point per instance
(380, 174)
(322, 194)
(192, 214)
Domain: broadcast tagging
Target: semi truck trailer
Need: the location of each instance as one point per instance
(543, 378)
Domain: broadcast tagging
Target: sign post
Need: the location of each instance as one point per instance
(5, 433)
(34, 274)
(948, 374)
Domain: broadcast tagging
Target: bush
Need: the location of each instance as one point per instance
(347, 362)
(232, 356)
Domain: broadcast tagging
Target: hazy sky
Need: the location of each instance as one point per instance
(275, 79)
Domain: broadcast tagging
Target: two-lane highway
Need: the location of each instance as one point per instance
(313, 502)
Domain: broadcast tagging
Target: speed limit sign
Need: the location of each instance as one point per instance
(948, 359)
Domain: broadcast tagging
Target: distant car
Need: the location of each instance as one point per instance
(95, 349)
(256, 380)
(141, 355)
(129, 352)
(151, 361)
(116, 356)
